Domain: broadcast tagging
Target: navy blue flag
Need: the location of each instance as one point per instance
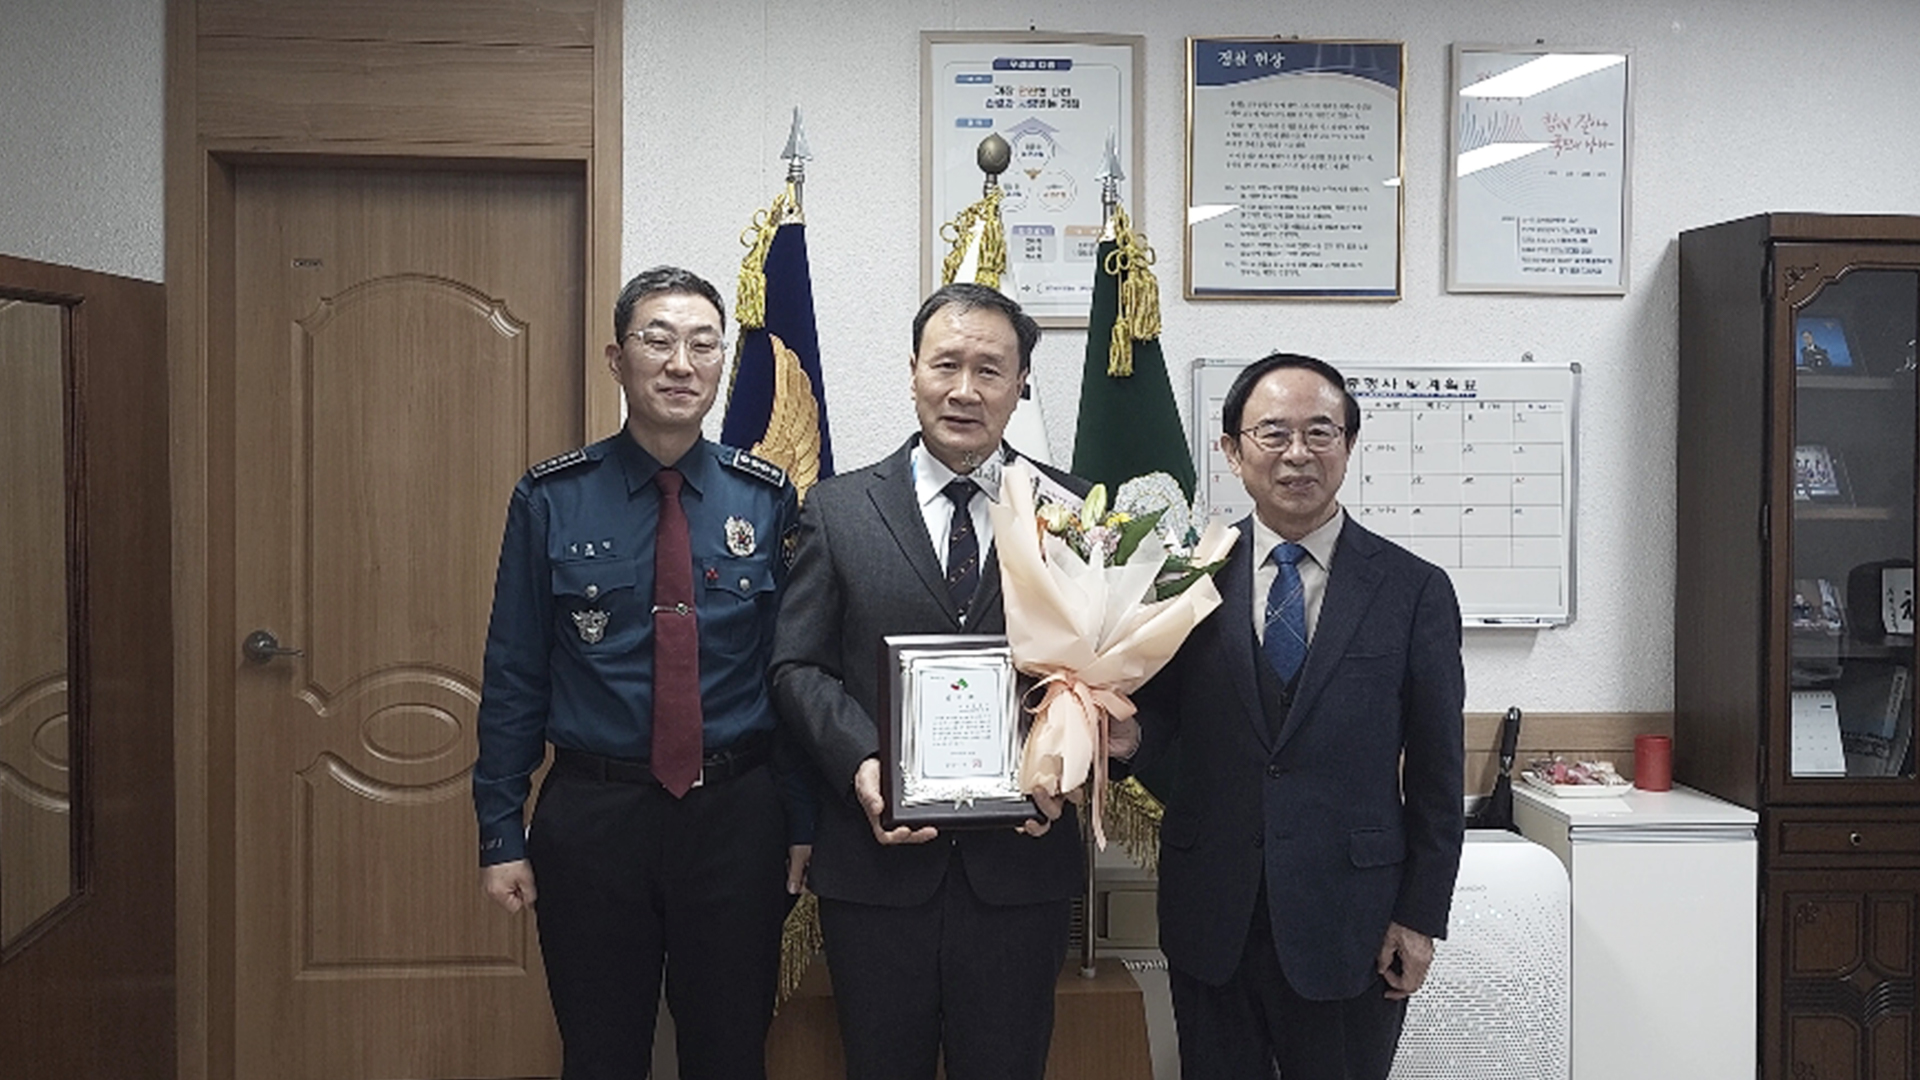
(777, 403)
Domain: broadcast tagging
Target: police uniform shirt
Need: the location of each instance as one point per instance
(569, 654)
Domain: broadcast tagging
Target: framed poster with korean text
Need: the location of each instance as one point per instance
(1294, 155)
(1054, 97)
(1538, 177)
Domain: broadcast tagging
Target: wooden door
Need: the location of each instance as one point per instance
(85, 732)
(407, 343)
(36, 873)
(1839, 1000)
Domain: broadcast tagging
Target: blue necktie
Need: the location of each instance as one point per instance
(1285, 643)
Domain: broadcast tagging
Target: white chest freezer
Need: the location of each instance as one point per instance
(1665, 894)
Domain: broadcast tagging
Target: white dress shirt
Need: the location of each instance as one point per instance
(930, 480)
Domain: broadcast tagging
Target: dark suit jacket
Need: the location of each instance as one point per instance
(1348, 837)
(866, 568)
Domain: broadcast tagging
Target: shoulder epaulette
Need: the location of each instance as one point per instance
(558, 463)
(757, 467)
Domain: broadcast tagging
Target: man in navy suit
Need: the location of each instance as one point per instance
(1313, 829)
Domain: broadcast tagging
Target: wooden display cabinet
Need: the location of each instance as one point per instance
(1794, 649)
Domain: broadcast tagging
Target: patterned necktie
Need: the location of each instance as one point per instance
(676, 646)
(1285, 643)
(963, 547)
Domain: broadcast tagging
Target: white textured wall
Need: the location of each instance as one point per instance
(81, 104)
(1739, 107)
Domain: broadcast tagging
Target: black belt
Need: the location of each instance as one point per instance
(722, 765)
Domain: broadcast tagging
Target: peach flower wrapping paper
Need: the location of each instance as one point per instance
(1092, 634)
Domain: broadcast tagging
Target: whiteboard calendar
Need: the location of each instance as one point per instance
(1471, 467)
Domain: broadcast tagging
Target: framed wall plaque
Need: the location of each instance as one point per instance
(1054, 97)
(1294, 153)
(1537, 179)
(950, 732)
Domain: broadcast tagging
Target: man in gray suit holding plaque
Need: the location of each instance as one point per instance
(1313, 831)
(940, 941)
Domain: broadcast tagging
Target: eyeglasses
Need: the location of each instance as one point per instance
(1320, 436)
(659, 347)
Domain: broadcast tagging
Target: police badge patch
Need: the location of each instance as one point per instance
(740, 536)
(592, 624)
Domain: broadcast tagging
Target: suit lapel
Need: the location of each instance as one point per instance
(1235, 620)
(1350, 589)
(893, 499)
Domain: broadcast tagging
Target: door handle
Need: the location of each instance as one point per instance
(261, 646)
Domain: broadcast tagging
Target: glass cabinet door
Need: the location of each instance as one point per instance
(1847, 335)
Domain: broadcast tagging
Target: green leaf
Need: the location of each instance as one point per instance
(1185, 575)
(1133, 532)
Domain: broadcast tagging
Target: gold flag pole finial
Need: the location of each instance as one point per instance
(983, 218)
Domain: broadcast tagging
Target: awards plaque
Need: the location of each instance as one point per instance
(950, 732)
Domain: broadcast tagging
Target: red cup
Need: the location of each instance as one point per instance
(1653, 762)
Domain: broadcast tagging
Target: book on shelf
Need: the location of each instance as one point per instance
(1876, 718)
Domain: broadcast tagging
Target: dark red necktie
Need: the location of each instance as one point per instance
(676, 646)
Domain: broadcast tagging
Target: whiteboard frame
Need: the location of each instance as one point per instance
(1205, 442)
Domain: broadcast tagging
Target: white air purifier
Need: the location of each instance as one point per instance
(1495, 1003)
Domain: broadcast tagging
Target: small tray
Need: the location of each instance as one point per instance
(1576, 791)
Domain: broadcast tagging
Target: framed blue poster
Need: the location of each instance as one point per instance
(1294, 165)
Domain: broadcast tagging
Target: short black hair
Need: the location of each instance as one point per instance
(663, 279)
(1250, 376)
(968, 296)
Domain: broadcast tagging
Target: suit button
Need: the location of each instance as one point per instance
(1274, 772)
(1259, 839)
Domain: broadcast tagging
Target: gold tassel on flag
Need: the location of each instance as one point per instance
(750, 301)
(1139, 320)
(993, 240)
(1133, 821)
(800, 941)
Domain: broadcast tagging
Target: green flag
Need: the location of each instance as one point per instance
(1128, 424)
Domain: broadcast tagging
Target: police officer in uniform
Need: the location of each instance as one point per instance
(632, 621)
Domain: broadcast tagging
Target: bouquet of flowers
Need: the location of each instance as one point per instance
(1096, 603)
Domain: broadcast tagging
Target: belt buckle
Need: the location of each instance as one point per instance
(699, 777)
